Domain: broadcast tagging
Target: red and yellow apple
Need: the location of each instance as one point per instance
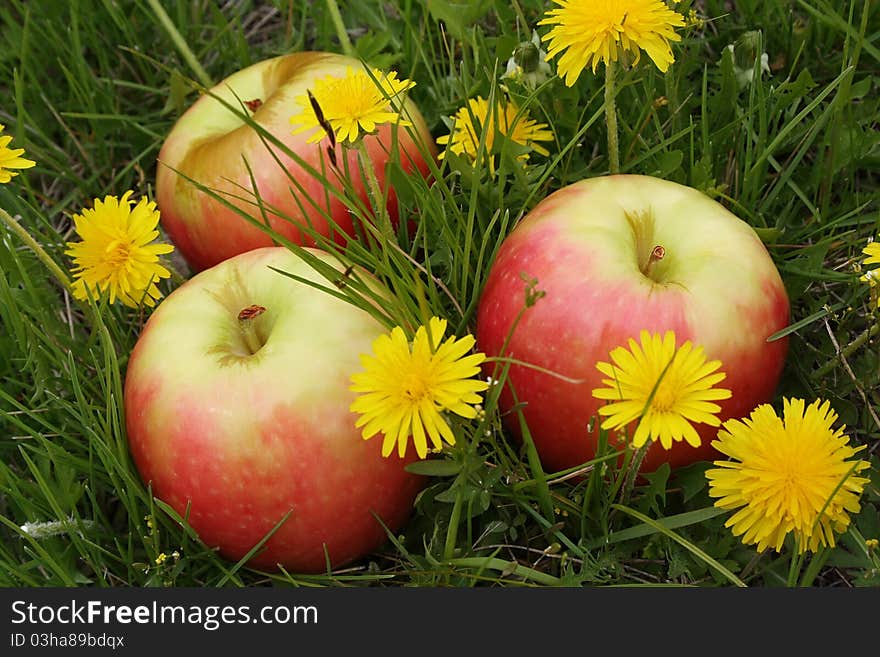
(214, 146)
(237, 413)
(589, 246)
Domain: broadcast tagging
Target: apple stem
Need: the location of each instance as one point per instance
(248, 325)
(657, 254)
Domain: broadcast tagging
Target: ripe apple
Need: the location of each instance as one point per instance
(590, 245)
(211, 144)
(241, 421)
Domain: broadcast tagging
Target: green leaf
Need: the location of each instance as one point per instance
(668, 163)
(692, 479)
(458, 16)
(768, 235)
(861, 88)
(177, 91)
(434, 468)
(655, 491)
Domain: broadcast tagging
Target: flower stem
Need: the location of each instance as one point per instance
(374, 190)
(611, 118)
(632, 471)
(452, 529)
(341, 32)
(40, 530)
(35, 246)
(180, 43)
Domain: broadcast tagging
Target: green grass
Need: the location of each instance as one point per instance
(93, 87)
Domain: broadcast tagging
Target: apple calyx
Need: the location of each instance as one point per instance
(248, 325)
(253, 105)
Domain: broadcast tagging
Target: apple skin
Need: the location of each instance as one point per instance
(209, 143)
(245, 438)
(716, 286)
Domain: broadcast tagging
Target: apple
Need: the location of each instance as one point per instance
(589, 245)
(237, 422)
(213, 145)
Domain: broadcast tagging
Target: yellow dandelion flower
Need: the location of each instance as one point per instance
(11, 158)
(585, 33)
(872, 276)
(353, 104)
(403, 392)
(789, 475)
(472, 120)
(873, 253)
(115, 253)
(669, 388)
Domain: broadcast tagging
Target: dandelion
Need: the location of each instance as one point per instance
(610, 31)
(788, 475)
(744, 55)
(342, 108)
(351, 105)
(873, 253)
(586, 33)
(11, 158)
(872, 276)
(528, 64)
(668, 388)
(116, 254)
(405, 388)
(506, 119)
